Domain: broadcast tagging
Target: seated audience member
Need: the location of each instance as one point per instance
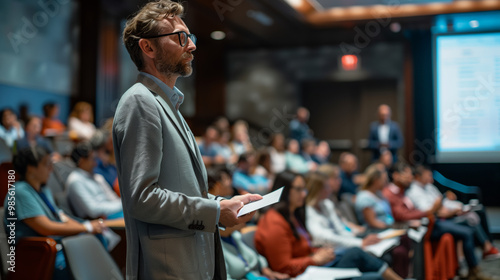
(242, 262)
(209, 147)
(294, 160)
(263, 162)
(322, 153)
(241, 140)
(401, 205)
(245, 179)
(102, 143)
(334, 181)
(351, 178)
(224, 149)
(282, 238)
(32, 136)
(277, 152)
(220, 182)
(299, 130)
(36, 211)
(404, 210)
(425, 196)
(51, 125)
(308, 149)
(375, 211)
(371, 206)
(222, 124)
(80, 122)
(11, 129)
(386, 160)
(89, 194)
(323, 222)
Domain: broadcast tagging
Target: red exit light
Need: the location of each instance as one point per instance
(349, 62)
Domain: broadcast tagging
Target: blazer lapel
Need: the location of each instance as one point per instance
(197, 150)
(179, 123)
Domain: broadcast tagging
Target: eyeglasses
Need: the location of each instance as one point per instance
(183, 37)
(300, 189)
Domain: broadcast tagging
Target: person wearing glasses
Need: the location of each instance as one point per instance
(172, 223)
(282, 238)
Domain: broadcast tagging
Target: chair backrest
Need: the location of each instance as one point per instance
(88, 260)
(248, 238)
(5, 152)
(5, 167)
(346, 208)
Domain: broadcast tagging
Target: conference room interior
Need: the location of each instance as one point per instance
(260, 60)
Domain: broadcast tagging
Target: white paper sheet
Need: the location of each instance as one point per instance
(266, 200)
(380, 248)
(417, 235)
(330, 273)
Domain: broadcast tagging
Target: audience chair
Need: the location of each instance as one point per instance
(347, 209)
(4, 180)
(88, 260)
(35, 256)
(248, 236)
(440, 257)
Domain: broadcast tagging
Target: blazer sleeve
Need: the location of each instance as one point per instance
(138, 143)
(396, 139)
(373, 142)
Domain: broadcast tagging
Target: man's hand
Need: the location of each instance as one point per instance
(229, 209)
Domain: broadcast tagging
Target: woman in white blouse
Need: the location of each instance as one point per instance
(323, 222)
(80, 123)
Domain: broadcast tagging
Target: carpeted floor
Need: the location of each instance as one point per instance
(492, 268)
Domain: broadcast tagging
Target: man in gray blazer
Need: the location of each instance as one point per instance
(171, 222)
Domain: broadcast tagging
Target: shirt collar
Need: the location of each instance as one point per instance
(175, 95)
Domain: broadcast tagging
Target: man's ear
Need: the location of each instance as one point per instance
(147, 47)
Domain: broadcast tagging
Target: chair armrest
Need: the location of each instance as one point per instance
(35, 258)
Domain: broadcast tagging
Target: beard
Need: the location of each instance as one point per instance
(169, 67)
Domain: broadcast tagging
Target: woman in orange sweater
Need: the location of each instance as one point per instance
(282, 238)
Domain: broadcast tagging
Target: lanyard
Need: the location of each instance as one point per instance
(47, 202)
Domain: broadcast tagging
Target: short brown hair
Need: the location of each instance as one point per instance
(145, 23)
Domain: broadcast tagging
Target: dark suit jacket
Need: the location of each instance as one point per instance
(395, 139)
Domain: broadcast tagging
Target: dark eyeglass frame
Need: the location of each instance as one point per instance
(187, 36)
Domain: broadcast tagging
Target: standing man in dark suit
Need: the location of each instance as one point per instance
(385, 134)
(171, 221)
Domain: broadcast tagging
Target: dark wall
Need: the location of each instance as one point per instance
(487, 175)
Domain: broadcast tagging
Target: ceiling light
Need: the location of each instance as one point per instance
(218, 35)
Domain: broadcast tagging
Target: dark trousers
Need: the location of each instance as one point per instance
(459, 232)
(366, 263)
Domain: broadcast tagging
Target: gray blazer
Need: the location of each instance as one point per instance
(170, 219)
